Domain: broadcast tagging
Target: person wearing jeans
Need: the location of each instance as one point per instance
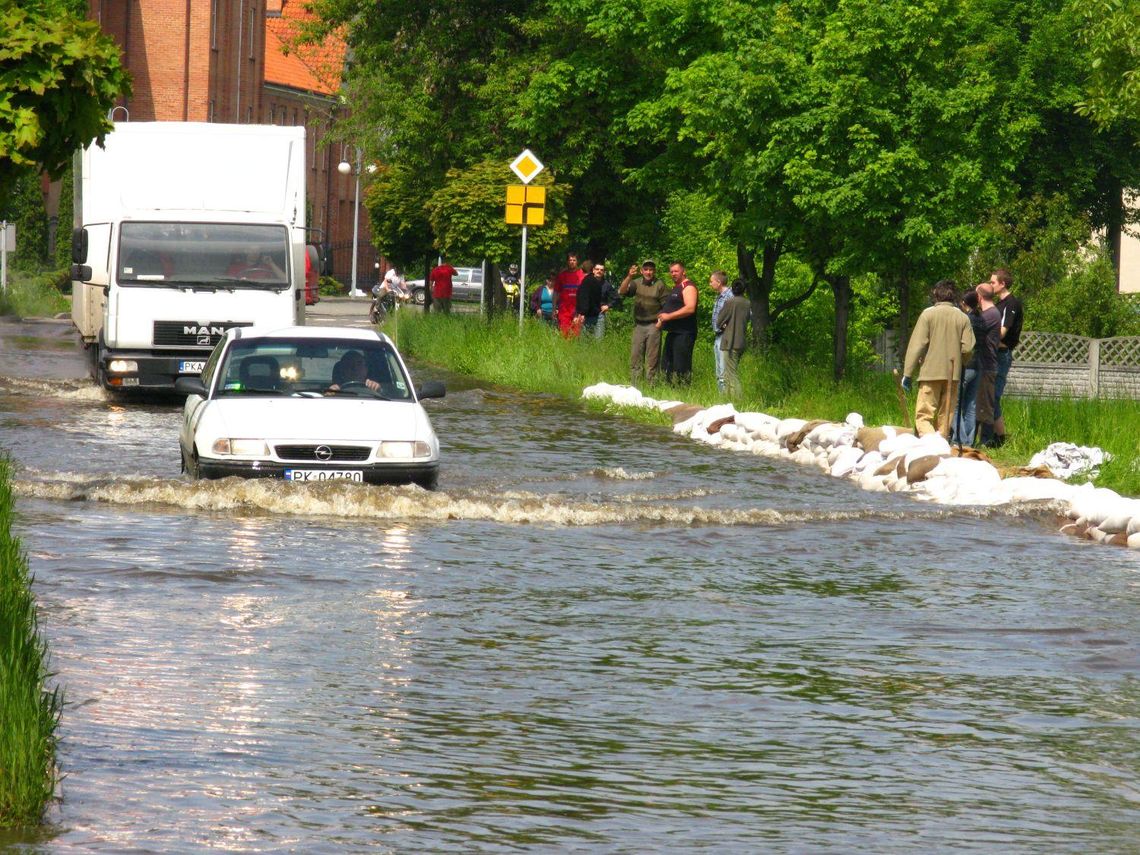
(718, 281)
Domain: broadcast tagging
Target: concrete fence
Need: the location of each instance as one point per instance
(1056, 365)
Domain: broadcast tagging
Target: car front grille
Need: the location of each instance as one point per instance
(191, 333)
(329, 453)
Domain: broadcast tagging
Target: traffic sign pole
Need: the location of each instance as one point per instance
(526, 166)
(522, 278)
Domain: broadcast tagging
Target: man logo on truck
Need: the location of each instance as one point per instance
(204, 333)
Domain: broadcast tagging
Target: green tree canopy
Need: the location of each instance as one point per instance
(59, 75)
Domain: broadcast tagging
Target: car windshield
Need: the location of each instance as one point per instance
(312, 368)
(204, 254)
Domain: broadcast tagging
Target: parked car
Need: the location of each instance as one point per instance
(466, 286)
(308, 404)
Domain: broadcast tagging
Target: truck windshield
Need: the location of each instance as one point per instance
(221, 254)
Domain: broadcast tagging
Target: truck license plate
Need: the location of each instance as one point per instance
(191, 366)
(324, 475)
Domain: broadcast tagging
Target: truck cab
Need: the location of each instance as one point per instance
(167, 259)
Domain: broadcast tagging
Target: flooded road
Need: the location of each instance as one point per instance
(594, 636)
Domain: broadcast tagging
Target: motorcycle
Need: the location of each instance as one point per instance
(384, 302)
(511, 286)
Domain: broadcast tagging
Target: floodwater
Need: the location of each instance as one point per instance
(595, 636)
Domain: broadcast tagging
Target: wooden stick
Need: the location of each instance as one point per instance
(902, 399)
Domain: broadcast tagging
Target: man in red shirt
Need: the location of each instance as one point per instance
(440, 277)
(566, 286)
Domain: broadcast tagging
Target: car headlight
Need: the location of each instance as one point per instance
(242, 447)
(123, 366)
(404, 450)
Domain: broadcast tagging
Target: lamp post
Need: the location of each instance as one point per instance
(344, 168)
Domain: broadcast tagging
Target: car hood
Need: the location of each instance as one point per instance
(324, 419)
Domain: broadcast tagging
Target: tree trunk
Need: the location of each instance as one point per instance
(494, 297)
(427, 286)
(903, 330)
(841, 291)
(1114, 227)
(758, 294)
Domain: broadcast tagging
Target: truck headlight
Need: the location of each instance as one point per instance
(123, 366)
(241, 447)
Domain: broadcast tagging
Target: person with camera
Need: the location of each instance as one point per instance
(648, 295)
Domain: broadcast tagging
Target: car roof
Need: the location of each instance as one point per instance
(285, 333)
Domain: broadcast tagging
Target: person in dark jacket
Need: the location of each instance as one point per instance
(588, 306)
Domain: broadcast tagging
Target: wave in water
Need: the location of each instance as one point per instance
(412, 504)
(75, 390)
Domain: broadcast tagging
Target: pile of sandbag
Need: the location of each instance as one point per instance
(893, 459)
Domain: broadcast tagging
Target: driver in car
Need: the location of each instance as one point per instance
(351, 368)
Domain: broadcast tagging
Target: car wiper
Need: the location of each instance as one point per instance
(231, 283)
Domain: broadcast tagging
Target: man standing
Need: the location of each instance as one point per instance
(939, 346)
(1011, 313)
(987, 350)
(678, 319)
(719, 284)
(732, 321)
(440, 277)
(648, 295)
(566, 284)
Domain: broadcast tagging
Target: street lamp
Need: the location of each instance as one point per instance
(344, 168)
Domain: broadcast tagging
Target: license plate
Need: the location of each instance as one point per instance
(324, 475)
(191, 367)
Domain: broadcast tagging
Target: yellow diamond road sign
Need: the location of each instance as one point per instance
(526, 206)
(526, 166)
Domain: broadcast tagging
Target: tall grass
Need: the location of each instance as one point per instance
(34, 294)
(28, 712)
(535, 358)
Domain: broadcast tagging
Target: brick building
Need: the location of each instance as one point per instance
(233, 61)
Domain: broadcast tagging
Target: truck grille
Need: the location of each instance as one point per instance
(192, 333)
(308, 453)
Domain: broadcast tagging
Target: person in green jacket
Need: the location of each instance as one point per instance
(940, 345)
(732, 338)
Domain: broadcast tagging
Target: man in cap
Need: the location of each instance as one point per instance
(649, 295)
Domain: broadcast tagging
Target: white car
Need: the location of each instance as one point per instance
(308, 404)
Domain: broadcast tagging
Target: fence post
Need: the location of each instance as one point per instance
(1094, 368)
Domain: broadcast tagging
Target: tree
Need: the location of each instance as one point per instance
(1111, 36)
(59, 75)
(467, 217)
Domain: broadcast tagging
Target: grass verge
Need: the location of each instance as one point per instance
(536, 359)
(34, 295)
(28, 711)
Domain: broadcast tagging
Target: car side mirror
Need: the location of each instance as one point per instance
(190, 386)
(79, 247)
(431, 389)
(81, 272)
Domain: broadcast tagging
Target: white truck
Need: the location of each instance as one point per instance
(183, 230)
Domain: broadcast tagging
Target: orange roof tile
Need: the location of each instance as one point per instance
(313, 68)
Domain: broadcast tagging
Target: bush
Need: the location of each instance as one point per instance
(36, 294)
(327, 286)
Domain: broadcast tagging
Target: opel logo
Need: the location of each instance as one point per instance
(323, 452)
